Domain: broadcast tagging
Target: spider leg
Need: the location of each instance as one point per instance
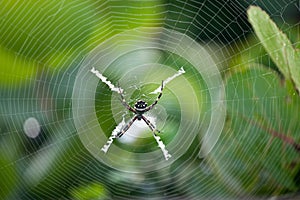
(157, 99)
(151, 126)
(123, 101)
(126, 127)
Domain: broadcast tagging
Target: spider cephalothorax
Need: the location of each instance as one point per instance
(140, 107)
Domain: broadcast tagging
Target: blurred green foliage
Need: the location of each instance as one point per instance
(22, 72)
(28, 24)
(41, 46)
(89, 191)
(258, 132)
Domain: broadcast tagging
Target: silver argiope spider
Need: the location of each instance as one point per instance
(140, 107)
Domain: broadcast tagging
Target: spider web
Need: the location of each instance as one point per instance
(56, 115)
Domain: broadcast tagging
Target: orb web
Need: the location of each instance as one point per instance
(222, 120)
(134, 63)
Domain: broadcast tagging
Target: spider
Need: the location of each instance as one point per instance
(139, 109)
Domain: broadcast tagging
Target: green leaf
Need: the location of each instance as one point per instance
(255, 153)
(295, 68)
(277, 44)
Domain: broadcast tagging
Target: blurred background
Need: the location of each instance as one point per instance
(55, 115)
